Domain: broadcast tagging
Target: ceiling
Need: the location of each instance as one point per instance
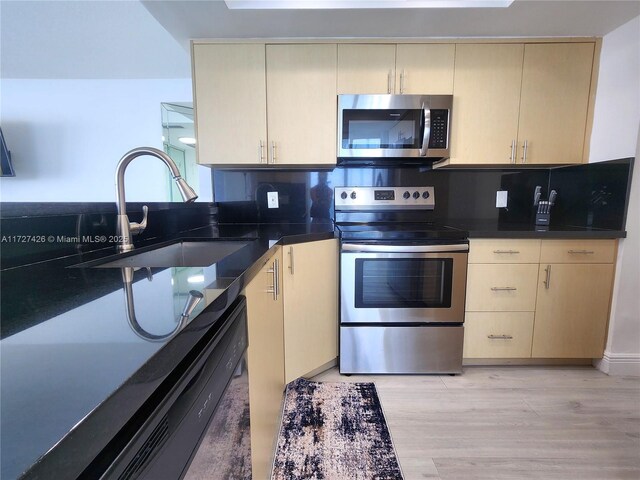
(212, 19)
(137, 39)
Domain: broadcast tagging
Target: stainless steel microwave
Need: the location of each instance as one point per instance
(394, 128)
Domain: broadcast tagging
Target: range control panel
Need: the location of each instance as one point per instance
(384, 198)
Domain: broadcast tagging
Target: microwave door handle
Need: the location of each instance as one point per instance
(426, 111)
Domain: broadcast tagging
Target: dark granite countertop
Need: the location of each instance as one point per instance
(74, 372)
(497, 229)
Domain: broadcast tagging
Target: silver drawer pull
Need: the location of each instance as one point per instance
(582, 252)
(500, 337)
(505, 289)
(506, 251)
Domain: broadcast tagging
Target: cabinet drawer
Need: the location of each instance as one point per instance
(498, 334)
(509, 287)
(504, 251)
(578, 251)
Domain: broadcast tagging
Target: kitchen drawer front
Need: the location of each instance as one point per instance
(498, 334)
(578, 251)
(504, 251)
(509, 287)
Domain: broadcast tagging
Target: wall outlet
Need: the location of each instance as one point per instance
(272, 199)
(501, 198)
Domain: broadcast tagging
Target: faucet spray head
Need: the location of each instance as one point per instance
(188, 194)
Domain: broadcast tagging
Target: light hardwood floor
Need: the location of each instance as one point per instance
(498, 423)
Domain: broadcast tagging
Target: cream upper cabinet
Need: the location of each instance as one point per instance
(264, 105)
(230, 103)
(484, 127)
(424, 68)
(521, 103)
(310, 287)
(302, 104)
(400, 69)
(556, 82)
(366, 68)
(266, 363)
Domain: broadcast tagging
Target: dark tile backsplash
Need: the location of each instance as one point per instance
(593, 195)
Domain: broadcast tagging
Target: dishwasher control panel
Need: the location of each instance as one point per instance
(384, 198)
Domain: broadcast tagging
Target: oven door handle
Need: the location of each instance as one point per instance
(426, 111)
(359, 247)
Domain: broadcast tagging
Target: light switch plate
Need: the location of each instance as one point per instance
(272, 199)
(501, 198)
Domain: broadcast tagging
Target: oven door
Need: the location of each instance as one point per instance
(395, 284)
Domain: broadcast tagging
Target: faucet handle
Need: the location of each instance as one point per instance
(137, 228)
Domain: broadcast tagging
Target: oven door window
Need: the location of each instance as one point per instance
(382, 129)
(403, 283)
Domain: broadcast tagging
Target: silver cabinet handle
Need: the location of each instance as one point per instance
(582, 252)
(500, 337)
(547, 282)
(276, 265)
(273, 152)
(402, 81)
(389, 82)
(261, 151)
(525, 147)
(274, 274)
(291, 266)
(512, 158)
(503, 289)
(507, 251)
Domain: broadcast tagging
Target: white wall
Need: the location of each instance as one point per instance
(66, 137)
(616, 134)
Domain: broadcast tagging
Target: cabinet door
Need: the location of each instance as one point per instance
(486, 103)
(366, 68)
(301, 103)
(572, 310)
(310, 306)
(230, 100)
(556, 81)
(422, 69)
(266, 365)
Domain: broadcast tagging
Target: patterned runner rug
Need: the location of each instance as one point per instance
(334, 431)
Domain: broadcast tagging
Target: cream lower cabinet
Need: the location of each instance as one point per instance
(501, 298)
(266, 363)
(555, 306)
(310, 287)
(572, 307)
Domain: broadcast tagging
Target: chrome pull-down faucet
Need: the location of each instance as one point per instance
(125, 228)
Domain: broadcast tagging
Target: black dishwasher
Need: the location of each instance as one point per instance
(212, 389)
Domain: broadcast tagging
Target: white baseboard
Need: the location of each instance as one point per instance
(619, 364)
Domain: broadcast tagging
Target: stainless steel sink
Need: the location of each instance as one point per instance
(182, 254)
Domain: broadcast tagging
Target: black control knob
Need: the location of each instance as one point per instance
(353, 195)
(406, 195)
(416, 195)
(343, 195)
(425, 195)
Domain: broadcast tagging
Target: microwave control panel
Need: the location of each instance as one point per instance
(384, 198)
(439, 128)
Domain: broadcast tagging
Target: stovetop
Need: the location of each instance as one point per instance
(400, 231)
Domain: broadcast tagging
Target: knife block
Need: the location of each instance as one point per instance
(543, 218)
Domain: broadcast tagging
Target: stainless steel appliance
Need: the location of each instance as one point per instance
(395, 128)
(402, 283)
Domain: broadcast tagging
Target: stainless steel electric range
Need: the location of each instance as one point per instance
(402, 283)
